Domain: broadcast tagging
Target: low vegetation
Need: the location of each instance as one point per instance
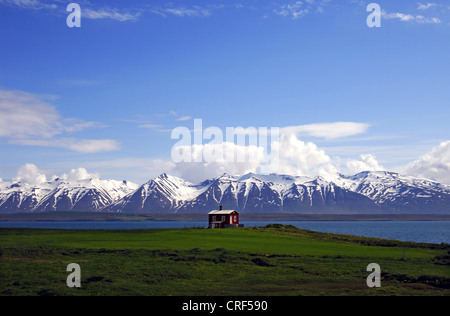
(271, 260)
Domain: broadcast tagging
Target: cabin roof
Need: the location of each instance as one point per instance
(223, 212)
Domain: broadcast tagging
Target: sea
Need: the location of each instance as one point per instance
(434, 232)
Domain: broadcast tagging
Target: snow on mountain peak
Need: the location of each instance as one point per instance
(63, 194)
(367, 191)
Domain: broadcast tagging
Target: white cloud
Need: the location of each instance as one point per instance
(425, 20)
(30, 174)
(299, 9)
(328, 130)
(151, 126)
(30, 120)
(435, 165)
(367, 163)
(426, 6)
(159, 122)
(411, 18)
(87, 146)
(79, 174)
(87, 11)
(109, 13)
(303, 158)
(398, 16)
(30, 4)
(210, 160)
(24, 114)
(195, 12)
(295, 10)
(184, 118)
(288, 155)
(91, 145)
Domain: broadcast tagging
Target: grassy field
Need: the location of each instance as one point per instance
(275, 260)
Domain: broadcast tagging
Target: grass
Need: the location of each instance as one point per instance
(274, 260)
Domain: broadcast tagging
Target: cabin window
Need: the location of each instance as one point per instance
(223, 218)
(214, 219)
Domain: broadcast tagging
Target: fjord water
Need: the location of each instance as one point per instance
(415, 231)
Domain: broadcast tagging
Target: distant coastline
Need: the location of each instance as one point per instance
(89, 216)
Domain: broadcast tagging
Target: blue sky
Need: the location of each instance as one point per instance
(105, 96)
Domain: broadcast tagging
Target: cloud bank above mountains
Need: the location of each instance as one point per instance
(299, 158)
(32, 175)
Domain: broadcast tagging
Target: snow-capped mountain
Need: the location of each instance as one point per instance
(275, 194)
(368, 192)
(62, 195)
(396, 193)
(165, 193)
(364, 193)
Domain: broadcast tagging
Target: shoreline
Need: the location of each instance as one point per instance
(160, 217)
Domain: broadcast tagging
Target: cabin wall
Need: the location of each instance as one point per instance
(228, 219)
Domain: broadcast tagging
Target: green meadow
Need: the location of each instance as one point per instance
(273, 260)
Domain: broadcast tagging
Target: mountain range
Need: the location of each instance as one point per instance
(364, 193)
(62, 195)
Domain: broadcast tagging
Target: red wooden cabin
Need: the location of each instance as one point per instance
(223, 219)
